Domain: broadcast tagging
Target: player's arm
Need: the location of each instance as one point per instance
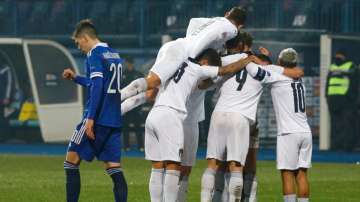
(96, 92)
(235, 67)
(263, 75)
(137, 100)
(71, 75)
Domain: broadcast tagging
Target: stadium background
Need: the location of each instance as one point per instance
(137, 28)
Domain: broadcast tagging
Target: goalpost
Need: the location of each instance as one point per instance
(328, 45)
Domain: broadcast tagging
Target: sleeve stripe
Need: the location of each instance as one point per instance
(96, 74)
(260, 75)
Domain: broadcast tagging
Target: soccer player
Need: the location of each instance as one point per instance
(235, 110)
(213, 34)
(164, 134)
(294, 140)
(98, 134)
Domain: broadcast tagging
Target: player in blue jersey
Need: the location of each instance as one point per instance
(98, 134)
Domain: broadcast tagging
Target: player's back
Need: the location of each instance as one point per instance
(240, 93)
(288, 97)
(105, 62)
(208, 33)
(177, 90)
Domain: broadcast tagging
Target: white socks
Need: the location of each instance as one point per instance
(156, 185)
(171, 185)
(235, 186)
(135, 87)
(290, 198)
(207, 185)
(184, 184)
(303, 199)
(250, 187)
(132, 102)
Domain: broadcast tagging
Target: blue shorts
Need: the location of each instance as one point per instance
(106, 146)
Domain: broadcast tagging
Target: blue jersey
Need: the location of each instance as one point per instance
(104, 63)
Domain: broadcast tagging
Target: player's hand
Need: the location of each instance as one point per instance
(151, 94)
(89, 129)
(264, 51)
(69, 74)
(255, 59)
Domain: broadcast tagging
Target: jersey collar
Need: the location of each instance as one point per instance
(97, 45)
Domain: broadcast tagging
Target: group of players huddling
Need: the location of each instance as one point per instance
(214, 54)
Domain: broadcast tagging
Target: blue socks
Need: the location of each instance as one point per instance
(72, 182)
(120, 187)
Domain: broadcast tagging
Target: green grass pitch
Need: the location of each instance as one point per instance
(41, 179)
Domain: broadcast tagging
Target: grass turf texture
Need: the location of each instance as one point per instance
(41, 178)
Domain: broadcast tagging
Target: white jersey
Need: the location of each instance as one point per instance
(207, 33)
(241, 92)
(177, 90)
(288, 96)
(194, 24)
(196, 106)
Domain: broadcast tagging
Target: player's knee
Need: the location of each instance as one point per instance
(185, 170)
(235, 166)
(112, 165)
(72, 157)
(158, 165)
(213, 164)
(173, 165)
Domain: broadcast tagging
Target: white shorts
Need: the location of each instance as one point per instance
(228, 138)
(169, 58)
(254, 136)
(164, 136)
(293, 151)
(191, 139)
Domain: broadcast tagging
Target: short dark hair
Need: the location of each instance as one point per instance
(211, 56)
(87, 27)
(238, 15)
(242, 37)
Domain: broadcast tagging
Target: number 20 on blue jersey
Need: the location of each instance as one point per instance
(116, 70)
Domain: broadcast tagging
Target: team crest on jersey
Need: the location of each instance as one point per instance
(224, 35)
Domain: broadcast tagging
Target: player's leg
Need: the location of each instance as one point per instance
(191, 139)
(250, 181)
(208, 180)
(152, 152)
(78, 149)
(221, 185)
(215, 154)
(236, 181)
(304, 164)
(156, 181)
(288, 185)
(120, 189)
(171, 180)
(287, 157)
(302, 185)
(73, 183)
(184, 183)
(107, 145)
(237, 147)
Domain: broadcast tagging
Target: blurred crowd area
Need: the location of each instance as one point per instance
(144, 17)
